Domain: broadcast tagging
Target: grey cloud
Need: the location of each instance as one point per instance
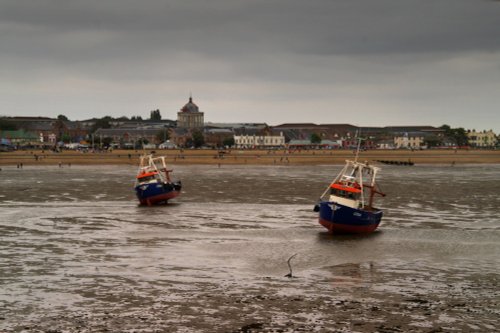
(324, 51)
(311, 27)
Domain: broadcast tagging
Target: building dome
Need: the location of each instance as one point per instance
(190, 116)
(190, 107)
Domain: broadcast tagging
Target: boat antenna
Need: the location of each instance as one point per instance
(358, 136)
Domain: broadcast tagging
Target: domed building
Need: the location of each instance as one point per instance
(190, 116)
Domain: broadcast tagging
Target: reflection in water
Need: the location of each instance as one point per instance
(339, 238)
(77, 251)
(351, 275)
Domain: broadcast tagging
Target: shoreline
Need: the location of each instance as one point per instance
(250, 157)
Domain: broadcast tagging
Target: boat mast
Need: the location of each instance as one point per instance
(344, 169)
(360, 167)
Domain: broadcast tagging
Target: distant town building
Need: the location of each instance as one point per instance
(20, 137)
(128, 136)
(414, 140)
(307, 144)
(158, 124)
(6, 145)
(48, 128)
(259, 141)
(180, 136)
(216, 134)
(386, 144)
(190, 116)
(44, 132)
(482, 139)
(167, 145)
(215, 137)
(238, 126)
(300, 144)
(298, 133)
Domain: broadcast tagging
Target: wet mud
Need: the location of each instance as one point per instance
(79, 255)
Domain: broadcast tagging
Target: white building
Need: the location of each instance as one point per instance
(259, 141)
(482, 139)
(409, 140)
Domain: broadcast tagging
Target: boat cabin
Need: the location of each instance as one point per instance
(347, 195)
(147, 177)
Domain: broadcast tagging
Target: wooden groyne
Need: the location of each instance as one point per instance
(407, 163)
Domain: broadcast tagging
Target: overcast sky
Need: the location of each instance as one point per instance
(363, 62)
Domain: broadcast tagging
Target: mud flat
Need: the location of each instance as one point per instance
(265, 157)
(352, 304)
(79, 255)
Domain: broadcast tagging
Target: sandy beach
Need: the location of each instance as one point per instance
(253, 157)
(257, 157)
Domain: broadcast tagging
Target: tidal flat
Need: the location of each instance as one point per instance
(79, 255)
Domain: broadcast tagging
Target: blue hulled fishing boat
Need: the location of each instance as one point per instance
(153, 183)
(346, 206)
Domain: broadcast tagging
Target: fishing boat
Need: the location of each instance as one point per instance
(153, 184)
(346, 206)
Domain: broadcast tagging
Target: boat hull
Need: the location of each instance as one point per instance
(338, 218)
(155, 193)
